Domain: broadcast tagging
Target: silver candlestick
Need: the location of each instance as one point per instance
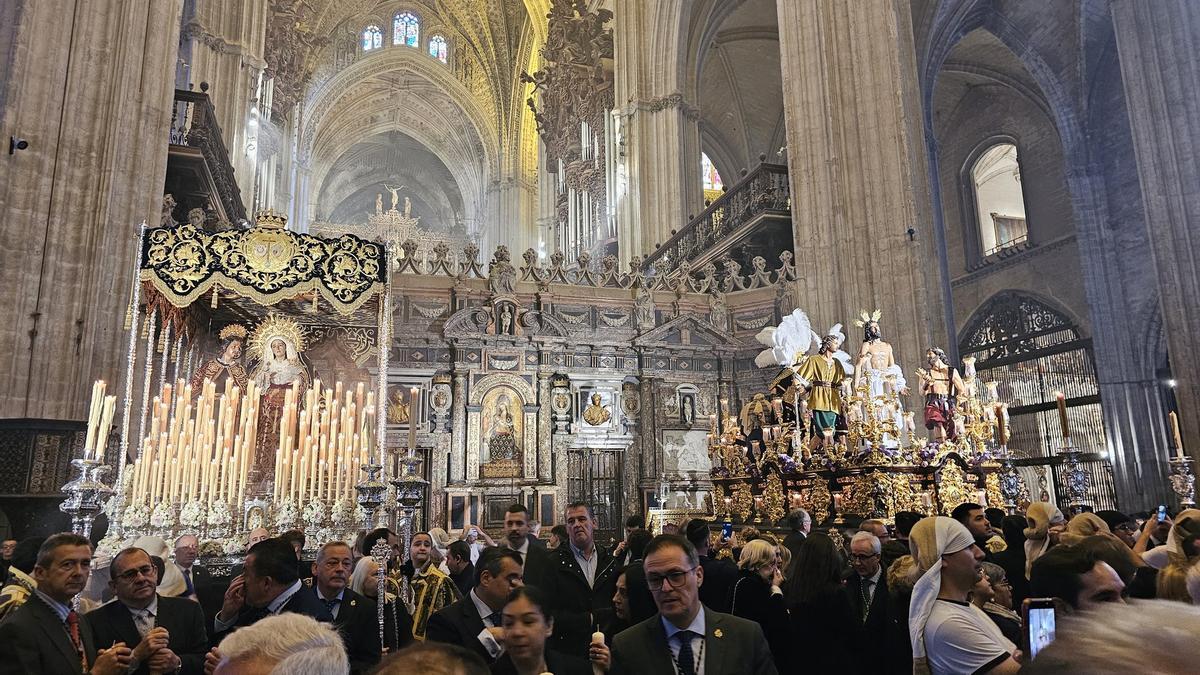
(1012, 487)
(85, 495)
(1183, 481)
(381, 552)
(371, 494)
(410, 492)
(1076, 480)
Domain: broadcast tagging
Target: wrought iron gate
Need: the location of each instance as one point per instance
(594, 476)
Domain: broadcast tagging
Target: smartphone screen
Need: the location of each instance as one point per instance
(1162, 513)
(727, 531)
(1039, 624)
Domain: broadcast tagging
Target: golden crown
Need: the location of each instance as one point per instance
(865, 318)
(233, 330)
(269, 218)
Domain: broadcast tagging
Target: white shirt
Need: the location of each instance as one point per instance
(960, 638)
(485, 636)
(588, 565)
(523, 549)
(697, 627)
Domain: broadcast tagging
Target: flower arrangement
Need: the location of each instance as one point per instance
(192, 514)
(136, 516)
(162, 516)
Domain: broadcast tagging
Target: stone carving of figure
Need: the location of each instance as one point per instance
(596, 414)
(644, 309)
(687, 410)
(395, 194)
(278, 367)
(378, 203)
(398, 411)
(196, 218)
(718, 311)
(407, 208)
(502, 445)
(502, 276)
(941, 385)
(877, 368)
(168, 208)
(505, 322)
(225, 369)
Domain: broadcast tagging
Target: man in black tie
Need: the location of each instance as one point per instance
(168, 633)
(580, 584)
(868, 591)
(268, 585)
(354, 616)
(686, 637)
(44, 635)
(474, 621)
(195, 577)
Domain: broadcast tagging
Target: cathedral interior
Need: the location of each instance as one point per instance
(583, 214)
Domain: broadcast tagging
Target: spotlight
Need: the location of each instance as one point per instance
(1172, 383)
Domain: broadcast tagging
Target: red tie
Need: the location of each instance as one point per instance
(73, 629)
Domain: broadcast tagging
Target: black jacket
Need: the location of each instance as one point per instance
(304, 601)
(576, 607)
(719, 577)
(464, 580)
(752, 599)
(559, 664)
(537, 565)
(358, 623)
(877, 625)
(731, 645)
(183, 619)
(458, 624)
(34, 640)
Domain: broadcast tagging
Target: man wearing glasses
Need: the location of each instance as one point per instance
(685, 637)
(867, 588)
(168, 633)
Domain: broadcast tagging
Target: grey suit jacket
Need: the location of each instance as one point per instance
(34, 640)
(731, 645)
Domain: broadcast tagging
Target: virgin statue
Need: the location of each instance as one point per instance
(502, 445)
(278, 343)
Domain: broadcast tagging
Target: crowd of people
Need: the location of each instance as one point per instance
(925, 594)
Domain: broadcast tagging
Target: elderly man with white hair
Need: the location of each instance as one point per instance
(285, 644)
(948, 633)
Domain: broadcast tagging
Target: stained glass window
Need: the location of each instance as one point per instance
(372, 38)
(438, 48)
(712, 179)
(406, 29)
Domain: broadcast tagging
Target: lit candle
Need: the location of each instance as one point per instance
(1175, 434)
(1001, 426)
(412, 418)
(1062, 413)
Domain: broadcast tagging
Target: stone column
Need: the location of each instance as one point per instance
(224, 40)
(858, 175)
(458, 449)
(545, 437)
(90, 85)
(659, 129)
(1156, 42)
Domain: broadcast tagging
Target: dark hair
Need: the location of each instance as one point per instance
(535, 596)
(905, 521)
(274, 558)
(293, 537)
(637, 544)
(637, 521)
(518, 508)
(491, 559)
(25, 554)
(45, 555)
(696, 532)
(668, 540)
(373, 538)
(433, 658)
(962, 512)
(1114, 519)
(580, 505)
(871, 333)
(336, 543)
(560, 531)
(1057, 573)
(1013, 528)
(459, 549)
(815, 570)
(112, 566)
(1112, 551)
(995, 517)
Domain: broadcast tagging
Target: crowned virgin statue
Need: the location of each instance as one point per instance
(277, 343)
(503, 444)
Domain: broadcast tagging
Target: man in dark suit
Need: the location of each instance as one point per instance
(458, 561)
(474, 621)
(195, 577)
(354, 616)
(685, 636)
(168, 632)
(867, 587)
(719, 575)
(44, 635)
(580, 583)
(800, 523)
(536, 560)
(268, 584)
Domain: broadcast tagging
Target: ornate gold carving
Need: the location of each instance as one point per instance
(773, 497)
(991, 483)
(276, 326)
(720, 508)
(742, 501)
(819, 501)
(952, 487)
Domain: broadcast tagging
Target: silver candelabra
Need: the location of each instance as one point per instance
(85, 495)
(1183, 481)
(410, 492)
(371, 494)
(1076, 480)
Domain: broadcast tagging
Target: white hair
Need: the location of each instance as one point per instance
(1118, 638)
(293, 644)
(867, 536)
(360, 578)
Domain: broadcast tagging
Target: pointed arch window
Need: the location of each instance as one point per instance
(372, 38)
(406, 29)
(438, 48)
(999, 200)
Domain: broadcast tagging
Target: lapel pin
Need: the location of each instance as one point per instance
(353, 603)
(718, 633)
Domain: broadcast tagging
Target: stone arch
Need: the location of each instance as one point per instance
(515, 382)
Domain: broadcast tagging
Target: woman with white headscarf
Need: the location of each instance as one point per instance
(949, 634)
(1042, 518)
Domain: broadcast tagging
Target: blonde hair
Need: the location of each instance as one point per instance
(1171, 583)
(785, 559)
(902, 574)
(756, 555)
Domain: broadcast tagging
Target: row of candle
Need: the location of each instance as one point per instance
(100, 417)
(324, 443)
(197, 450)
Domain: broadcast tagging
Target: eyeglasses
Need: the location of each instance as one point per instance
(130, 575)
(862, 557)
(673, 579)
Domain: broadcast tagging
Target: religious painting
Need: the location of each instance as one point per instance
(502, 429)
(685, 454)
